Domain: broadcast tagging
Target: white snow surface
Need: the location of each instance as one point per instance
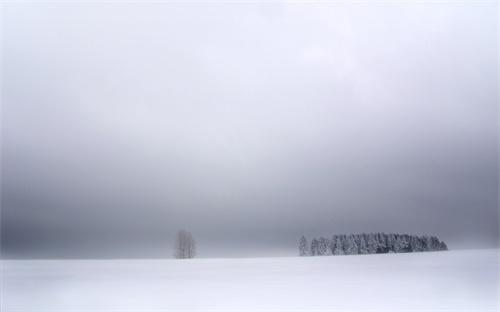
(431, 281)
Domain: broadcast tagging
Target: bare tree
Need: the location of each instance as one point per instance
(185, 246)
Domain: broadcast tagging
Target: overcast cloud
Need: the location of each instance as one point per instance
(248, 124)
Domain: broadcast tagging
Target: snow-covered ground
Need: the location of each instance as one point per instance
(433, 281)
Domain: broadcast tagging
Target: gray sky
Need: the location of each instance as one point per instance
(248, 124)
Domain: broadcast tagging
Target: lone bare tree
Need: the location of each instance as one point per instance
(185, 246)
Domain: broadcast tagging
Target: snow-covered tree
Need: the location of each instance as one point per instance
(351, 247)
(401, 244)
(382, 243)
(303, 246)
(427, 243)
(372, 243)
(323, 246)
(363, 248)
(332, 244)
(442, 246)
(416, 244)
(432, 243)
(314, 247)
(391, 240)
(338, 249)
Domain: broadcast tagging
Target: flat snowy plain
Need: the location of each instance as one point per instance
(432, 281)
